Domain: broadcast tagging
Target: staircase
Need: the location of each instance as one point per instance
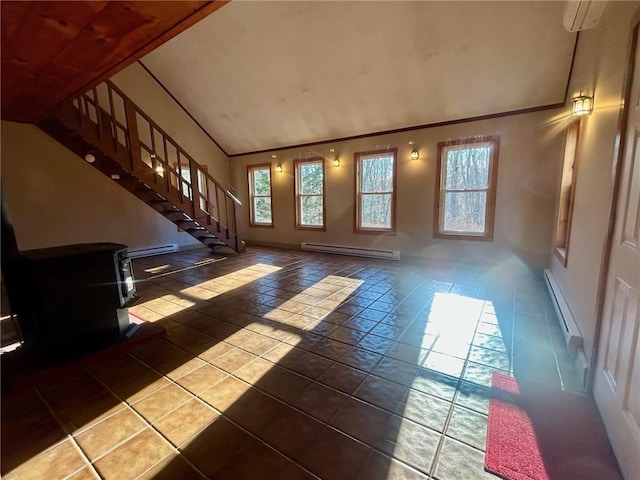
(107, 129)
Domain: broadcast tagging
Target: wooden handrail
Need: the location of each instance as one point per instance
(133, 135)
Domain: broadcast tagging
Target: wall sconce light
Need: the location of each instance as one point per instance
(278, 164)
(582, 105)
(415, 155)
(336, 160)
(159, 169)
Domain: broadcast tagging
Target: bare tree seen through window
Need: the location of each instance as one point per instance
(466, 188)
(466, 185)
(376, 172)
(260, 193)
(310, 193)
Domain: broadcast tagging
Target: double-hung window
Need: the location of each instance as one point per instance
(465, 202)
(309, 193)
(375, 191)
(567, 192)
(260, 209)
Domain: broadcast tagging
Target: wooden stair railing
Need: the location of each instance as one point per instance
(134, 151)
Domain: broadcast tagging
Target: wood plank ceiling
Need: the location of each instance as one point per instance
(56, 49)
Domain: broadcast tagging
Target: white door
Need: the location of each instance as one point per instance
(617, 378)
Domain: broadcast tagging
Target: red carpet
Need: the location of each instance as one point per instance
(535, 433)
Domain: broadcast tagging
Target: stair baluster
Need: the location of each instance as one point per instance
(138, 158)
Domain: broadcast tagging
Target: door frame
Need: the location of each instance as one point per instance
(618, 156)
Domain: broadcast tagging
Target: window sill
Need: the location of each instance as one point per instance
(464, 236)
(561, 253)
(310, 228)
(367, 231)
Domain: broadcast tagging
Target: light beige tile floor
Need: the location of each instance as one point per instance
(283, 365)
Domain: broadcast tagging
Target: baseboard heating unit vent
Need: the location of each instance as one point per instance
(569, 328)
(568, 325)
(149, 252)
(355, 251)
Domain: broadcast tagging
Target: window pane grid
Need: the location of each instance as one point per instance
(467, 167)
(311, 177)
(465, 212)
(260, 195)
(311, 210)
(466, 197)
(375, 190)
(309, 192)
(376, 211)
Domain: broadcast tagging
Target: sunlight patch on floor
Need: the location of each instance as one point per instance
(172, 303)
(343, 285)
(452, 321)
(158, 269)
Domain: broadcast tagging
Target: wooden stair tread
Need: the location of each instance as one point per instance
(74, 129)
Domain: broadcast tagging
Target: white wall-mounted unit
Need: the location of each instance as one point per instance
(355, 251)
(148, 252)
(583, 14)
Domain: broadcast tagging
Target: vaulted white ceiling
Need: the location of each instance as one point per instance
(261, 75)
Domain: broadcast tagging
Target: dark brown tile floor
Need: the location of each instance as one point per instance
(284, 365)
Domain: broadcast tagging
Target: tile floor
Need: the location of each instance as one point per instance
(288, 365)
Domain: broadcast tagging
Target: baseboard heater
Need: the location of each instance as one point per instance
(568, 325)
(354, 251)
(149, 252)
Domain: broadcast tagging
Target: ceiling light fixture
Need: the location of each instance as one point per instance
(90, 157)
(582, 105)
(415, 155)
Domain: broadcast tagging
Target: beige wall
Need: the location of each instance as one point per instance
(145, 92)
(530, 156)
(56, 198)
(599, 69)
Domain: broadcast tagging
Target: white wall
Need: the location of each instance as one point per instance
(56, 198)
(599, 69)
(529, 163)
